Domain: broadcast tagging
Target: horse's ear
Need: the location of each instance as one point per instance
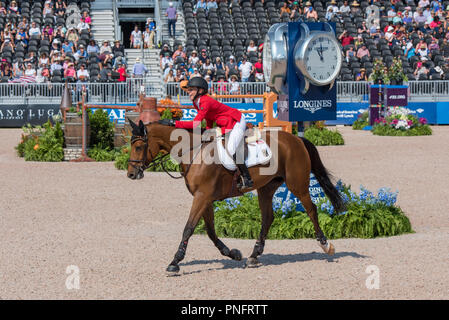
(141, 125)
(136, 130)
(133, 125)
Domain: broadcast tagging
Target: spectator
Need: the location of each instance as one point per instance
(30, 71)
(193, 59)
(345, 7)
(311, 13)
(285, 10)
(169, 77)
(195, 73)
(252, 47)
(83, 25)
(166, 62)
(363, 51)
(355, 8)
(363, 28)
(92, 47)
(258, 66)
(361, 76)
(389, 35)
(148, 38)
(86, 18)
(82, 74)
(218, 65)
(122, 72)
(80, 53)
(172, 16)
(179, 53)
(18, 69)
(118, 49)
(105, 47)
(333, 5)
(231, 66)
(136, 38)
(139, 69)
(234, 87)
(165, 50)
(203, 57)
(70, 72)
(330, 13)
(43, 60)
(34, 30)
(72, 36)
(246, 70)
(211, 4)
(345, 38)
(350, 53)
(201, 4)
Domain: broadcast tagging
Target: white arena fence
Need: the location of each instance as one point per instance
(128, 92)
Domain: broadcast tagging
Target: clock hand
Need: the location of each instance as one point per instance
(322, 57)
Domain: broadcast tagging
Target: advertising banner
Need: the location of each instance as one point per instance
(16, 116)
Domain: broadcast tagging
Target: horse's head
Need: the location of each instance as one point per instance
(143, 151)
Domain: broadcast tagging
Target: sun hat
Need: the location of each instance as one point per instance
(355, 4)
(137, 59)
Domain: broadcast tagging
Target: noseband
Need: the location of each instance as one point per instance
(133, 162)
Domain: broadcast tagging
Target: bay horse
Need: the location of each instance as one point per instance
(296, 158)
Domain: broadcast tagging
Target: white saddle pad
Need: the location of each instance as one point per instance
(258, 153)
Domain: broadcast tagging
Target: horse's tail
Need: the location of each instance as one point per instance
(323, 176)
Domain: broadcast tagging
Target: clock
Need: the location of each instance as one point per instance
(275, 57)
(318, 57)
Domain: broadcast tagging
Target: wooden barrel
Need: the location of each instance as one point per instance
(73, 131)
(134, 116)
(119, 135)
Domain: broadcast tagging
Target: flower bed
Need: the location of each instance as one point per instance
(400, 122)
(367, 216)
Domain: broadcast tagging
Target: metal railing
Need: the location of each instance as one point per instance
(157, 19)
(135, 3)
(128, 92)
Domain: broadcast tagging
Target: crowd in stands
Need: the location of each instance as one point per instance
(51, 41)
(225, 37)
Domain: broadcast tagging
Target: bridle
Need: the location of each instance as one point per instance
(156, 160)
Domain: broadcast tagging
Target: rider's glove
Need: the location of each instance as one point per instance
(167, 122)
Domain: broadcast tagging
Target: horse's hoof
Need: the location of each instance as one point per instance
(331, 251)
(172, 270)
(235, 255)
(328, 248)
(253, 263)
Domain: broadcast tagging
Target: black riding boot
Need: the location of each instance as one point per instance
(246, 181)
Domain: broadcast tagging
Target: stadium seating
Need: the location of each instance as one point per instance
(227, 31)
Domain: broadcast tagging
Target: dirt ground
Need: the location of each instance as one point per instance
(121, 234)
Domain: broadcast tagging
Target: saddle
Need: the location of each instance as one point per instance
(257, 151)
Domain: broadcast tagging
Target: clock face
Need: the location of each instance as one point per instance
(267, 58)
(321, 59)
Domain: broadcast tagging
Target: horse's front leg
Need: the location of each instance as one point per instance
(200, 204)
(208, 217)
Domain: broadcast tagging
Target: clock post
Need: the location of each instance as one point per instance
(307, 57)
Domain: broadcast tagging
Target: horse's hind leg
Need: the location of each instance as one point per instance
(302, 192)
(208, 217)
(265, 195)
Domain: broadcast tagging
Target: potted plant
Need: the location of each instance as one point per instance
(396, 72)
(379, 74)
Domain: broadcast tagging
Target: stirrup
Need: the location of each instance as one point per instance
(245, 182)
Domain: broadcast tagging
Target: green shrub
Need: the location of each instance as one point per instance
(42, 143)
(102, 155)
(321, 136)
(361, 122)
(101, 130)
(367, 216)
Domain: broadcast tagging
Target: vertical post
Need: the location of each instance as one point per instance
(84, 128)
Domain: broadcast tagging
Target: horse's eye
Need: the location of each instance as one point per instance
(138, 148)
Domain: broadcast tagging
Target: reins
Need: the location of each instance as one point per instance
(161, 159)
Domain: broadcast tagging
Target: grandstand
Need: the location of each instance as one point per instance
(48, 42)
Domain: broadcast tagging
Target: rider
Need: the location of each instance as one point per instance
(227, 118)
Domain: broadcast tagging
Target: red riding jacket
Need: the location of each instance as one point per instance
(212, 110)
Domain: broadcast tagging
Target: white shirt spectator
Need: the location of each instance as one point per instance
(82, 73)
(423, 3)
(246, 68)
(344, 9)
(34, 31)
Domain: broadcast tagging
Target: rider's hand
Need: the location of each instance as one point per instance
(167, 122)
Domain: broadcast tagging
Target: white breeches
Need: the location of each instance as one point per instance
(236, 135)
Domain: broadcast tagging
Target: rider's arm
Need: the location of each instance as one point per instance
(195, 123)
